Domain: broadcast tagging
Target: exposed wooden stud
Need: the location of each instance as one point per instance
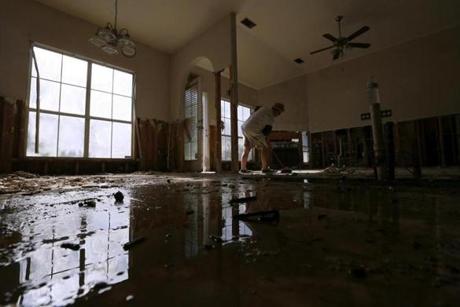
(218, 135)
(234, 93)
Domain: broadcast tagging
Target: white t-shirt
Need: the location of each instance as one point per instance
(258, 120)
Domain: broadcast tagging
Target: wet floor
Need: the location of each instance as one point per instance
(334, 245)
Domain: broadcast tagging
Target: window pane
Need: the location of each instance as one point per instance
(121, 145)
(71, 136)
(227, 127)
(123, 83)
(240, 132)
(227, 109)
(241, 112)
(222, 108)
(73, 99)
(48, 135)
(31, 135)
(49, 64)
(240, 148)
(99, 139)
(101, 78)
(49, 95)
(101, 104)
(74, 71)
(121, 108)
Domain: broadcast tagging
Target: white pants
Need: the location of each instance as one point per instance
(255, 139)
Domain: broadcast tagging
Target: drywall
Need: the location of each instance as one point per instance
(213, 45)
(23, 21)
(247, 95)
(417, 79)
(292, 94)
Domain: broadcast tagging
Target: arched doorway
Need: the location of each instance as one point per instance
(196, 145)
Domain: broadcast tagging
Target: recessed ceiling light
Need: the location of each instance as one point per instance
(299, 61)
(248, 23)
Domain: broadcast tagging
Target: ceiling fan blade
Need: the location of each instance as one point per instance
(358, 33)
(330, 37)
(323, 49)
(359, 45)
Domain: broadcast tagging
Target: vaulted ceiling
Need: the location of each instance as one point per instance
(286, 29)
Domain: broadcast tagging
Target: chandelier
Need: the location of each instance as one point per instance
(113, 41)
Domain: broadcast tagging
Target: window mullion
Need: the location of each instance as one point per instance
(87, 111)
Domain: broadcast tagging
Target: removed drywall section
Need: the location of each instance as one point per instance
(23, 21)
(292, 94)
(417, 79)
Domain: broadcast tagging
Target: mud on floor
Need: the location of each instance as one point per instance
(334, 244)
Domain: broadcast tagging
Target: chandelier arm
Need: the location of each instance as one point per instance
(116, 13)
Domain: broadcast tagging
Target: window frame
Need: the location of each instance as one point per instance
(87, 116)
(251, 110)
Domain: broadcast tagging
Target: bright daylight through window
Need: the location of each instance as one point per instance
(243, 114)
(85, 109)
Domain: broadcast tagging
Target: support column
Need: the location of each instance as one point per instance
(234, 93)
(218, 141)
(377, 129)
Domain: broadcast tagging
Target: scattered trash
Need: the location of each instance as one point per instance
(91, 203)
(243, 199)
(55, 240)
(286, 170)
(129, 298)
(261, 216)
(71, 246)
(100, 285)
(216, 239)
(119, 197)
(133, 243)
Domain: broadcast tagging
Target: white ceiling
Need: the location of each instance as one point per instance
(286, 29)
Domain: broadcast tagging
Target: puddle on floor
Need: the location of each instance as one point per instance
(334, 245)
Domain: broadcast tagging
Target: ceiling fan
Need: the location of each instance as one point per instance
(341, 43)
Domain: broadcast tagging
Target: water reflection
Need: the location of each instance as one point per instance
(50, 274)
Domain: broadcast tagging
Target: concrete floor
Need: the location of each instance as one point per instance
(336, 244)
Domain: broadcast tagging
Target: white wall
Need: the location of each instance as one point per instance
(214, 45)
(23, 21)
(247, 95)
(292, 94)
(417, 79)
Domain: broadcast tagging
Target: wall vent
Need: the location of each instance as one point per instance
(299, 61)
(248, 23)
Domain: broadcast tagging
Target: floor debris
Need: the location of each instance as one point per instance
(71, 246)
(131, 244)
(243, 199)
(119, 197)
(261, 216)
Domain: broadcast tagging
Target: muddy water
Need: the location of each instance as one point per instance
(335, 245)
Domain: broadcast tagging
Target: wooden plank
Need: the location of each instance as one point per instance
(217, 141)
(234, 93)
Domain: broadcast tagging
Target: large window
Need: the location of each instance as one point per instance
(191, 120)
(85, 108)
(243, 114)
